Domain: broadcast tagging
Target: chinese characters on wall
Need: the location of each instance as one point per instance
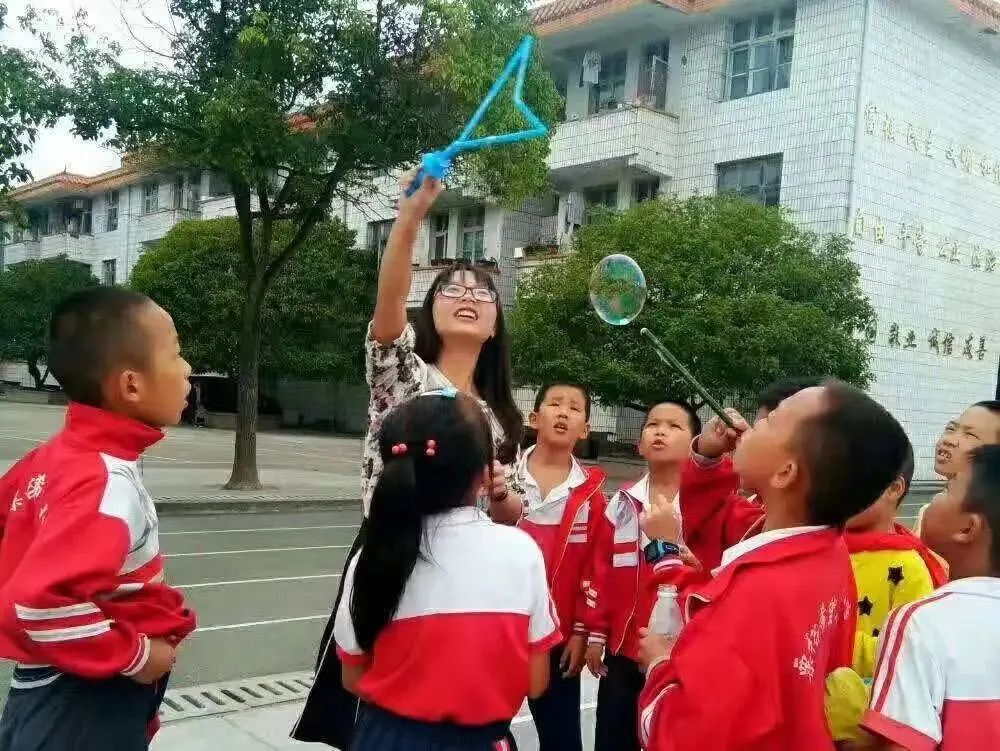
(937, 341)
(914, 237)
(965, 157)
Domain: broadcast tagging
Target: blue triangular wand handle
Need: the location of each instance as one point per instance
(437, 164)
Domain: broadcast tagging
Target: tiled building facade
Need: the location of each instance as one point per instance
(872, 117)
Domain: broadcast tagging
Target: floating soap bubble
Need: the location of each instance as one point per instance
(617, 289)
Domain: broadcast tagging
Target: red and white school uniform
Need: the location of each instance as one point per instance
(564, 524)
(937, 680)
(475, 610)
(81, 572)
(748, 670)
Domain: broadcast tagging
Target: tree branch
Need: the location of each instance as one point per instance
(316, 212)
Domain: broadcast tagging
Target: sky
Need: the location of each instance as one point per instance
(57, 149)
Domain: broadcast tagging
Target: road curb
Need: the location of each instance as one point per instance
(223, 506)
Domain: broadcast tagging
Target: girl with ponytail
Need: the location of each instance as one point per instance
(446, 620)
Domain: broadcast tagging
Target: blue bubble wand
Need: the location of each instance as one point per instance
(437, 164)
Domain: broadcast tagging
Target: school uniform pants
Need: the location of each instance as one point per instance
(77, 714)
(618, 705)
(557, 712)
(379, 730)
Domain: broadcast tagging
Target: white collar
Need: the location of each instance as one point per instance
(984, 586)
(760, 540)
(576, 477)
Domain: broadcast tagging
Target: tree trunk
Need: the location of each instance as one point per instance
(245, 475)
(35, 373)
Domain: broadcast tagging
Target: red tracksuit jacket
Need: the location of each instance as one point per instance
(81, 573)
(568, 550)
(748, 671)
(714, 517)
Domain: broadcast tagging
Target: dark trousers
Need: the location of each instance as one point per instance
(77, 714)
(330, 711)
(618, 705)
(557, 712)
(378, 730)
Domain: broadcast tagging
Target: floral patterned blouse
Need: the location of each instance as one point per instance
(395, 374)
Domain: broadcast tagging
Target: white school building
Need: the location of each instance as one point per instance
(876, 118)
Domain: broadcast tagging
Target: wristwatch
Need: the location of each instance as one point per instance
(658, 549)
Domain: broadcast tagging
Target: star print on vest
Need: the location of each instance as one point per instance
(866, 606)
(895, 574)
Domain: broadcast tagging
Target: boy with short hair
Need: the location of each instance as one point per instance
(759, 638)
(562, 506)
(978, 425)
(84, 611)
(937, 684)
(620, 600)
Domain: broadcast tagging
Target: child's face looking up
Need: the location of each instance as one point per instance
(764, 457)
(666, 436)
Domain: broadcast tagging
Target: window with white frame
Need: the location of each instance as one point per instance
(378, 236)
(109, 275)
(218, 185)
(179, 192)
(645, 189)
(17, 234)
(439, 236)
(757, 180)
(609, 92)
(111, 200)
(474, 233)
(653, 75)
(760, 53)
(150, 198)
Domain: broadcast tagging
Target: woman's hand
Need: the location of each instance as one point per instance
(505, 506)
(413, 209)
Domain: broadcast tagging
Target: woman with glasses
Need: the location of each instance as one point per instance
(458, 340)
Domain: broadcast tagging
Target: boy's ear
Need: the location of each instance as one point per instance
(786, 475)
(972, 529)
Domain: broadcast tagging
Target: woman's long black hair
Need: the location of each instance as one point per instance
(412, 487)
(492, 375)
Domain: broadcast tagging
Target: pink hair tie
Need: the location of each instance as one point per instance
(399, 449)
(431, 448)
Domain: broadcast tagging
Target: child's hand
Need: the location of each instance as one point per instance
(653, 648)
(162, 657)
(661, 522)
(717, 438)
(413, 209)
(595, 660)
(572, 658)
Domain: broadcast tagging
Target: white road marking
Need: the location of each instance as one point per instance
(257, 581)
(257, 550)
(252, 624)
(258, 529)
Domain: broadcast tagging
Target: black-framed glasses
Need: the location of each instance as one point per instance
(457, 292)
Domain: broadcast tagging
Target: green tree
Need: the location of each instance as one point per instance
(28, 292)
(737, 291)
(28, 100)
(297, 102)
(314, 314)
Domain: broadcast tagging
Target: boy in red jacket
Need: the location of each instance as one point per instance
(563, 504)
(747, 672)
(619, 598)
(84, 611)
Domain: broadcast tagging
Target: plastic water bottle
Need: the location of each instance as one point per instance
(666, 619)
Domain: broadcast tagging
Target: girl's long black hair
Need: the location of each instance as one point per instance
(492, 376)
(412, 487)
